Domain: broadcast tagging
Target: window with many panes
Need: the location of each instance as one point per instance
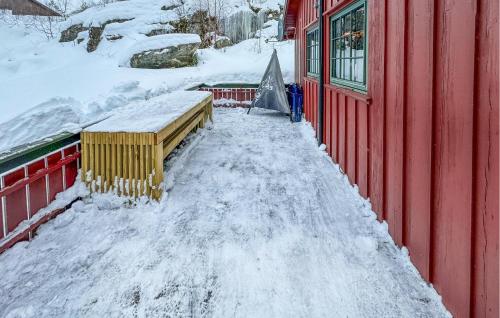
(312, 52)
(348, 47)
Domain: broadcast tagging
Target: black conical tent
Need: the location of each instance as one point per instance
(271, 93)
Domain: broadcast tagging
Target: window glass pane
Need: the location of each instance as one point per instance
(358, 43)
(346, 69)
(358, 38)
(347, 46)
(347, 27)
(342, 47)
(342, 26)
(358, 70)
(359, 19)
(337, 68)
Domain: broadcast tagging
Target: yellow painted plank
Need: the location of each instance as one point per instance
(148, 163)
(107, 146)
(113, 161)
(130, 164)
(141, 163)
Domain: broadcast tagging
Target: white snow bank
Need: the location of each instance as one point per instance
(151, 115)
(99, 15)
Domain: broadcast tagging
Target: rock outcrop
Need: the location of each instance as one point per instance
(222, 42)
(71, 33)
(159, 31)
(95, 33)
(95, 36)
(169, 57)
(166, 51)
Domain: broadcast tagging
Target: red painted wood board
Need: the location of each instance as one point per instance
(418, 138)
(38, 192)
(453, 127)
(16, 201)
(485, 263)
(351, 140)
(362, 148)
(376, 115)
(394, 116)
(342, 130)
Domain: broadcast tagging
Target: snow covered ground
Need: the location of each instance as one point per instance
(256, 222)
(52, 87)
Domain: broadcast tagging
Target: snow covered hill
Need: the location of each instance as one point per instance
(47, 87)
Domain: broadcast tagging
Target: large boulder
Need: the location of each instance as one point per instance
(71, 33)
(222, 42)
(166, 51)
(95, 36)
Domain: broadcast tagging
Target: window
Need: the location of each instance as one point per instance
(312, 52)
(348, 47)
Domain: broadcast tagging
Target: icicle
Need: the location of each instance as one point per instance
(240, 26)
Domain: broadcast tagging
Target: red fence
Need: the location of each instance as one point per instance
(422, 143)
(231, 96)
(31, 186)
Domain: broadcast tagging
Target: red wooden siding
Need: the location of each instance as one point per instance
(422, 143)
(418, 138)
(310, 87)
(485, 206)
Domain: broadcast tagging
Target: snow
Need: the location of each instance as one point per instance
(151, 115)
(62, 200)
(230, 101)
(99, 15)
(53, 87)
(257, 222)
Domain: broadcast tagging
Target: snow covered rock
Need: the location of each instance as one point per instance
(71, 33)
(164, 29)
(222, 41)
(95, 33)
(165, 51)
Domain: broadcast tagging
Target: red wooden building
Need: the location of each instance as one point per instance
(404, 93)
(28, 7)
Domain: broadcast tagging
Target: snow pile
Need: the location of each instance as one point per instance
(151, 115)
(253, 225)
(99, 15)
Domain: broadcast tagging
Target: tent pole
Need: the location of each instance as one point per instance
(321, 79)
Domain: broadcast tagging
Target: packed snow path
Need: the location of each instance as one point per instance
(258, 222)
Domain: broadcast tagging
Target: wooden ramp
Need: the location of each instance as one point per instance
(125, 152)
